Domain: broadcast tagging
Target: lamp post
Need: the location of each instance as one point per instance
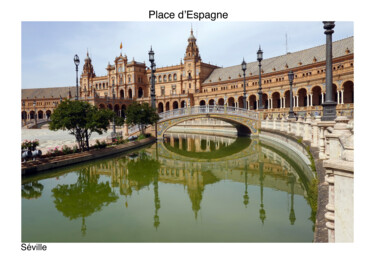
(291, 78)
(260, 58)
(244, 83)
(76, 62)
(151, 55)
(34, 104)
(23, 113)
(113, 121)
(329, 106)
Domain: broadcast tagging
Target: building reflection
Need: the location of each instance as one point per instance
(175, 162)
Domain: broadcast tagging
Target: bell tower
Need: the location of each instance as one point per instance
(86, 78)
(192, 51)
(192, 64)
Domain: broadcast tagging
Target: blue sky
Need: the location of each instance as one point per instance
(48, 48)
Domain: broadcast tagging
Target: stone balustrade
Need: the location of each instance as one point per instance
(334, 141)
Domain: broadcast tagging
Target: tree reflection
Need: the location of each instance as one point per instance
(84, 197)
(141, 172)
(32, 190)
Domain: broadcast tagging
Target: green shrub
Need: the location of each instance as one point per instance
(100, 144)
(66, 150)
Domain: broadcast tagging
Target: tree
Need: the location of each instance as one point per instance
(81, 119)
(141, 115)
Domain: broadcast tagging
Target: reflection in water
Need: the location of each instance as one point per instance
(192, 161)
(84, 197)
(32, 190)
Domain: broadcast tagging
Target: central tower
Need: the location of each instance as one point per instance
(192, 61)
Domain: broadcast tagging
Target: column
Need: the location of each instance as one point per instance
(308, 100)
(311, 99)
(297, 101)
(271, 106)
(322, 98)
(342, 96)
(338, 97)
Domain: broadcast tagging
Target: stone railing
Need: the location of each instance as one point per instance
(196, 110)
(207, 109)
(334, 141)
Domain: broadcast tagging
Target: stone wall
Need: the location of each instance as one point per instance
(334, 140)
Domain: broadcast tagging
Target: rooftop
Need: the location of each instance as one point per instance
(292, 60)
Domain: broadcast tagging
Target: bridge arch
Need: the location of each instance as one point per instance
(246, 122)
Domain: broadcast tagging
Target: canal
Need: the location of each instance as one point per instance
(189, 188)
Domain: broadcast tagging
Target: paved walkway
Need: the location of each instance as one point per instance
(51, 139)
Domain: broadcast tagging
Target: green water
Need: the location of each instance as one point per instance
(190, 188)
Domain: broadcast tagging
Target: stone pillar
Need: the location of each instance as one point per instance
(342, 96)
(338, 97)
(300, 127)
(321, 142)
(315, 132)
(307, 135)
(330, 215)
(297, 103)
(307, 101)
(311, 100)
(271, 106)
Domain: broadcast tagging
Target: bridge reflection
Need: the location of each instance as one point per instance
(196, 161)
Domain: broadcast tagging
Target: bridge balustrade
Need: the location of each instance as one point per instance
(203, 109)
(334, 142)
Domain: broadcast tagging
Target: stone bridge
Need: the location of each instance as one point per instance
(246, 121)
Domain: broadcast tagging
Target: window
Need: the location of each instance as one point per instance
(173, 89)
(162, 88)
(160, 78)
(169, 77)
(165, 78)
(175, 77)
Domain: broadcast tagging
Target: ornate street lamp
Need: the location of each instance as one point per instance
(291, 78)
(260, 58)
(76, 62)
(151, 55)
(244, 83)
(113, 97)
(329, 106)
(23, 113)
(34, 104)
